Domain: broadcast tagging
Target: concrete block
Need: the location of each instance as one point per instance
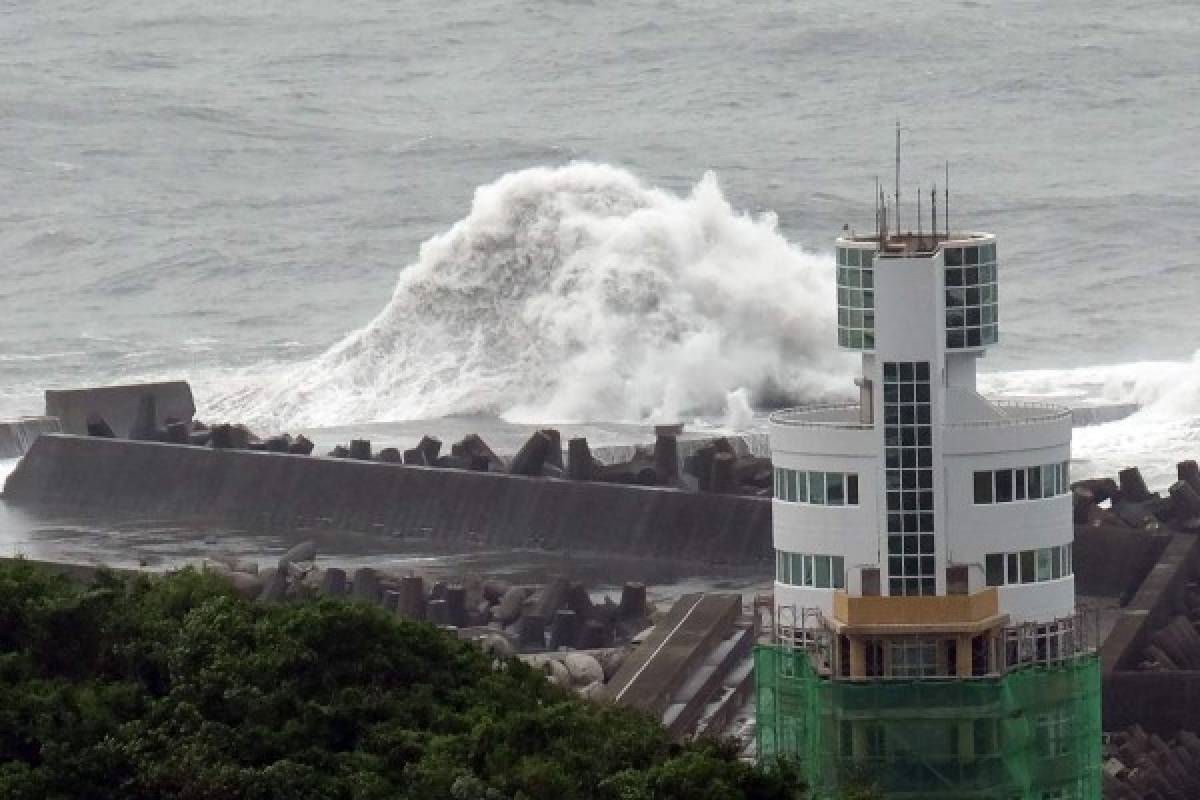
(118, 405)
(533, 631)
(412, 597)
(366, 585)
(333, 582)
(564, 629)
(633, 601)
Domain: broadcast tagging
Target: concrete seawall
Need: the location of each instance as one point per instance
(17, 435)
(440, 506)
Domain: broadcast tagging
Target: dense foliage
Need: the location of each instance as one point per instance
(175, 688)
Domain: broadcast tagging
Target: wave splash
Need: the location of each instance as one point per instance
(1164, 430)
(578, 294)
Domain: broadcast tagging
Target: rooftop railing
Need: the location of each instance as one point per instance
(1017, 413)
(822, 415)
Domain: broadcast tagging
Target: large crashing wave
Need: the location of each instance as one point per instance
(576, 294)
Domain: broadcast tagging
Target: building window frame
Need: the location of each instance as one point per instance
(810, 570)
(1024, 567)
(1008, 485)
(834, 489)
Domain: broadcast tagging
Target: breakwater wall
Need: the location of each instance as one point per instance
(17, 435)
(419, 504)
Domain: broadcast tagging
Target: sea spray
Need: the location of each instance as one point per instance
(1165, 430)
(577, 293)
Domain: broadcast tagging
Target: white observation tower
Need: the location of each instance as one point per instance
(923, 539)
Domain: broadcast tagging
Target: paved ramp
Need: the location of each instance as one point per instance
(655, 675)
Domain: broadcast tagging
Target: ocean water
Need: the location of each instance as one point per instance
(563, 210)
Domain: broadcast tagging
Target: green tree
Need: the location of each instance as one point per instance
(174, 688)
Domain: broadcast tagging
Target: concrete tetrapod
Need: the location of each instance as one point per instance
(564, 630)
(412, 597)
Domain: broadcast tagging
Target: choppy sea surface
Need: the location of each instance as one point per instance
(347, 213)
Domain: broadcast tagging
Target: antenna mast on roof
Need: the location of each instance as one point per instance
(933, 213)
(881, 204)
(879, 211)
(897, 196)
(918, 216)
(947, 200)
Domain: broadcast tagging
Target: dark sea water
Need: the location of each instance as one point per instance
(342, 213)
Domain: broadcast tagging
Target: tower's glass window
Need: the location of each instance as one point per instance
(972, 310)
(816, 571)
(1028, 566)
(835, 489)
(994, 568)
(908, 476)
(856, 298)
(816, 488)
(1004, 488)
(911, 658)
(1022, 483)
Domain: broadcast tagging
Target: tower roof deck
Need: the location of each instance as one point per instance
(914, 245)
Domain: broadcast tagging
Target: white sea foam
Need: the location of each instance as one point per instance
(574, 294)
(1165, 430)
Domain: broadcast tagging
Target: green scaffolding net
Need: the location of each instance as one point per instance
(1032, 734)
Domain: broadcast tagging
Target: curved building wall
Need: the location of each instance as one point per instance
(1038, 602)
(1037, 430)
(791, 441)
(798, 597)
(977, 528)
(847, 531)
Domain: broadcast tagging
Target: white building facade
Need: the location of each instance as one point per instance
(924, 488)
(925, 629)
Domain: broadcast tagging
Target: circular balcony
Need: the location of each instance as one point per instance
(833, 429)
(1012, 412)
(1013, 425)
(822, 415)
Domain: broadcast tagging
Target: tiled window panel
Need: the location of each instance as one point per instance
(908, 476)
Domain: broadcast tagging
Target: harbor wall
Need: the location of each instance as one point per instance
(17, 435)
(421, 504)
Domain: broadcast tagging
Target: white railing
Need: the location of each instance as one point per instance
(1017, 413)
(822, 415)
(846, 415)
